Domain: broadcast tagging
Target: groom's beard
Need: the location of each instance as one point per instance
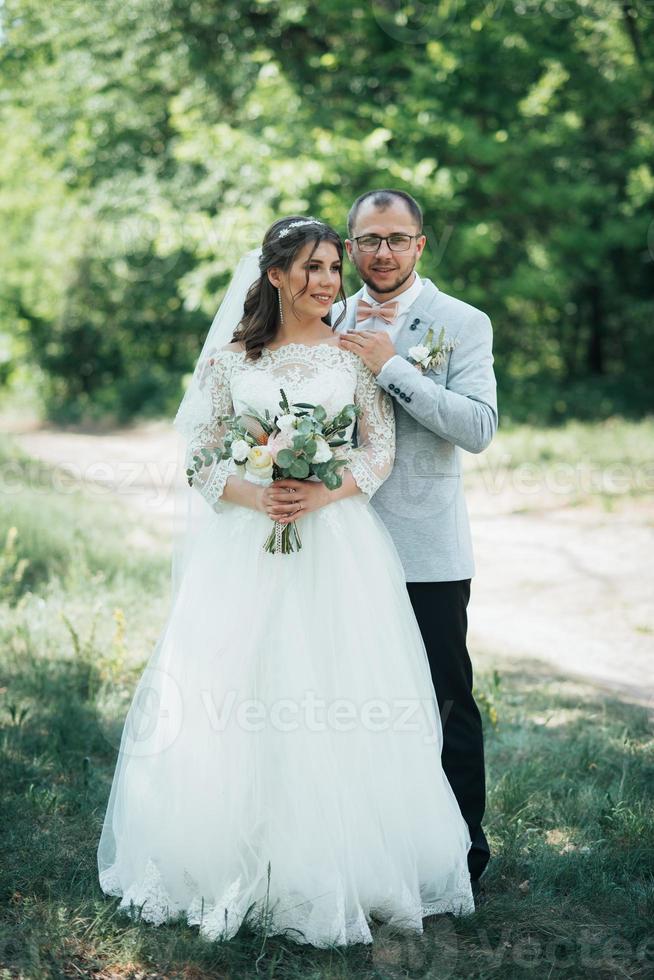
(389, 287)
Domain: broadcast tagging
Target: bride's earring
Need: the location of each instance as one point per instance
(281, 311)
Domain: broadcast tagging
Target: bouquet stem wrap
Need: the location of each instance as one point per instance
(283, 539)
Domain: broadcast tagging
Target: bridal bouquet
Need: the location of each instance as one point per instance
(298, 443)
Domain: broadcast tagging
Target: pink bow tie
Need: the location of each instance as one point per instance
(386, 312)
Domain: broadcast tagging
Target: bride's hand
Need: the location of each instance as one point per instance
(286, 500)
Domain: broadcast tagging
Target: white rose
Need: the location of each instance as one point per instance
(323, 452)
(420, 354)
(260, 463)
(285, 422)
(240, 451)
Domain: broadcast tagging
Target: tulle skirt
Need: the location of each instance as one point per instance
(280, 760)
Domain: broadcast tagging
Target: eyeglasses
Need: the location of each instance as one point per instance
(396, 243)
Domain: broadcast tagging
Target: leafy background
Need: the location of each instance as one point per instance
(143, 147)
(146, 144)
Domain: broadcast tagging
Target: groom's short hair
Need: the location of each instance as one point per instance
(383, 199)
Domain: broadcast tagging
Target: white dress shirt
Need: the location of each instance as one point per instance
(404, 301)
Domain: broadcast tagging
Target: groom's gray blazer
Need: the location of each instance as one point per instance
(437, 414)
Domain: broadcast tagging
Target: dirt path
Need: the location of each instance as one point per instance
(557, 582)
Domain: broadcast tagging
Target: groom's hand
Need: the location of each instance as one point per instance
(374, 347)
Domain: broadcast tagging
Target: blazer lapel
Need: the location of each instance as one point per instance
(419, 318)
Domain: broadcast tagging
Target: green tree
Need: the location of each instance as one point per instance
(161, 139)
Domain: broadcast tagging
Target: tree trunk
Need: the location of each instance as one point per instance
(595, 352)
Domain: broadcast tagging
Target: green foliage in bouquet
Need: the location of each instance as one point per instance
(237, 430)
(300, 461)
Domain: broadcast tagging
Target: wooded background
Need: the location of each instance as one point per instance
(146, 144)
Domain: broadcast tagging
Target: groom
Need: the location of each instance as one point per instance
(448, 406)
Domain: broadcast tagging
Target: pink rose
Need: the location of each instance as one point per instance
(282, 440)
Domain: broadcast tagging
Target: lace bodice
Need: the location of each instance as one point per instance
(320, 374)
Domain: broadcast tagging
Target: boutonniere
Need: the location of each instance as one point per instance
(430, 355)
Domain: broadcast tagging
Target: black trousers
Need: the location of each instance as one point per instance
(441, 611)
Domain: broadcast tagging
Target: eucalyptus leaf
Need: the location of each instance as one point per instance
(300, 469)
(285, 458)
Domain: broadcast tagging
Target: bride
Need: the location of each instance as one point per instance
(280, 760)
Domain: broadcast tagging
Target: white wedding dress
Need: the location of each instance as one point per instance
(282, 750)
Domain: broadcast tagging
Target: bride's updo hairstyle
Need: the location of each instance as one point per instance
(279, 249)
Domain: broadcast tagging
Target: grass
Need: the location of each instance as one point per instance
(569, 892)
(610, 442)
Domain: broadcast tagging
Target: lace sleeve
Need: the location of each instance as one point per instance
(205, 432)
(373, 458)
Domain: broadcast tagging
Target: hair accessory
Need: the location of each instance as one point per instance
(298, 224)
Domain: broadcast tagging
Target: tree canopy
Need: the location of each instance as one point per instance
(146, 145)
